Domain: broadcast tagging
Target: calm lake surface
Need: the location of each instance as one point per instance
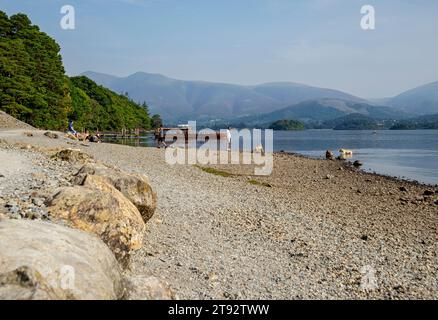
(410, 154)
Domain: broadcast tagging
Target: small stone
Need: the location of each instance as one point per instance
(403, 189)
(329, 155)
(34, 215)
(11, 203)
(212, 276)
(51, 135)
(329, 176)
(428, 193)
(357, 163)
(38, 202)
(15, 216)
(14, 209)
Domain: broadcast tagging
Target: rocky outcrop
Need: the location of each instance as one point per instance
(41, 260)
(135, 187)
(51, 135)
(73, 156)
(97, 207)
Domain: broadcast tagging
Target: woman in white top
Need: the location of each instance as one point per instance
(229, 138)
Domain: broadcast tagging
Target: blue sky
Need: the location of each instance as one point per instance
(315, 42)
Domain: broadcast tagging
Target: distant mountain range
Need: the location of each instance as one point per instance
(318, 111)
(421, 100)
(180, 100)
(198, 100)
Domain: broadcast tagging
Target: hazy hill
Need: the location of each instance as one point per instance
(318, 111)
(185, 100)
(420, 100)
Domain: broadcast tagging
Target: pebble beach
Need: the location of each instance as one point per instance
(313, 229)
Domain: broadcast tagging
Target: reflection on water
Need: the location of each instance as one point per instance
(142, 141)
(410, 155)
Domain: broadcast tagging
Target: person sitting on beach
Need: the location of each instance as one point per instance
(83, 136)
(71, 130)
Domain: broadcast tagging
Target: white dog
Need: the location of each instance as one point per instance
(346, 152)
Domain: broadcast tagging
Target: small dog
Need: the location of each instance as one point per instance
(346, 152)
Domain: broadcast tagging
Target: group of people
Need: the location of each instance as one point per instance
(160, 138)
(97, 138)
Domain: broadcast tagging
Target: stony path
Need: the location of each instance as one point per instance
(26, 176)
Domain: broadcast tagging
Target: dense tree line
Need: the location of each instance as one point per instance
(35, 89)
(98, 108)
(291, 125)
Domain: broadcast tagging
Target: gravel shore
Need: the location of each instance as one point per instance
(313, 229)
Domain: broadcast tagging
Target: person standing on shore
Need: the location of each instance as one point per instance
(161, 138)
(228, 139)
(157, 137)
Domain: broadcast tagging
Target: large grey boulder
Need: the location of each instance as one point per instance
(134, 186)
(97, 207)
(41, 260)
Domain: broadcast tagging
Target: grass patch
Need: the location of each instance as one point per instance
(215, 171)
(258, 183)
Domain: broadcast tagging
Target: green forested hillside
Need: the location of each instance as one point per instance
(96, 107)
(423, 122)
(290, 125)
(35, 89)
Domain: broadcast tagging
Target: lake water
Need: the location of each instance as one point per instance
(411, 154)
